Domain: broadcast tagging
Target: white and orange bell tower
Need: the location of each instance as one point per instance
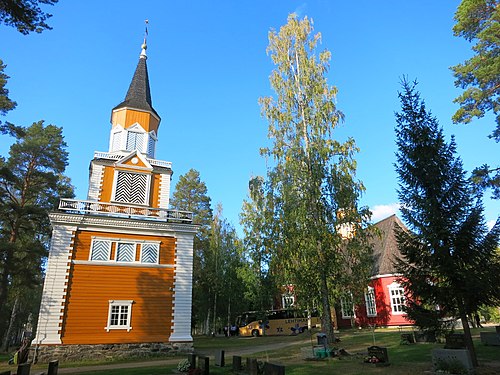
(120, 263)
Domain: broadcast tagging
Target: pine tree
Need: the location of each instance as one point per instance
(449, 258)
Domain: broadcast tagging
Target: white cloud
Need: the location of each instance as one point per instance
(382, 211)
(490, 224)
(300, 10)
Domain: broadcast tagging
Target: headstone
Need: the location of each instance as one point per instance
(497, 329)
(448, 359)
(322, 339)
(219, 358)
(236, 363)
(273, 369)
(204, 364)
(192, 360)
(252, 366)
(24, 369)
(53, 368)
(379, 353)
(490, 338)
(5, 372)
(455, 341)
(407, 338)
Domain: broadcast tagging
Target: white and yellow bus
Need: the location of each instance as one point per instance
(276, 322)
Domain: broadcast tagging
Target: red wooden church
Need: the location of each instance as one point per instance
(119, 272)
(384, 297)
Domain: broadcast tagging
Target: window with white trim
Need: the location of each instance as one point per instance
(135, 141)
(347, 307)
(371, 306)
(125, 252)
(397, 296)
(150, 253)
(288, 300)
(131, 187)
(100, 250)
(119, 315)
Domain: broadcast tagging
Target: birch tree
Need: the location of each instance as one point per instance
(319, 239)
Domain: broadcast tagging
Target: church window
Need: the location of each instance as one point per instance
(371, 307)
(125, 252)
(135, 141)
(149, 253)
(119, 315)
(397, 295)
(131, 187)
(100, 250)
(347, 307)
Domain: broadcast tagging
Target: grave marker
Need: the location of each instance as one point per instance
(273, 369)
(455, 341)
(378, 352)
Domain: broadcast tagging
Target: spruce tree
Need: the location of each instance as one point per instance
(449, 258)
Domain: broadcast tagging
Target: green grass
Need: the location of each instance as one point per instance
(404, 359)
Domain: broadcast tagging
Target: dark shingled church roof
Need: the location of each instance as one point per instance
(139, 94)
(385, 246)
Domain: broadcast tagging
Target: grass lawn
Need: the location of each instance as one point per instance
(404, 359)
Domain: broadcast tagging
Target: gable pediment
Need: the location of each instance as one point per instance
(134, 160)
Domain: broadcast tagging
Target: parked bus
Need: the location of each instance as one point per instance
(276, 322)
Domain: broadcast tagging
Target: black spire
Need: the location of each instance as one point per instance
(139, 94)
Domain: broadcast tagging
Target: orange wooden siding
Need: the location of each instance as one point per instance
(128, 117)
(107, 184)
(155, 190)
(92, 286)
(90, 289)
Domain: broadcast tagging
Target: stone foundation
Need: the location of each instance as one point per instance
(107, 352)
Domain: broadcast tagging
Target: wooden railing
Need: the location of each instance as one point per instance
(123, 210)
(118, 156)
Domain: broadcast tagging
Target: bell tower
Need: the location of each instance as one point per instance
(120, 262)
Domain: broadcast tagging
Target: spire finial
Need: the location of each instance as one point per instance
(144, 44)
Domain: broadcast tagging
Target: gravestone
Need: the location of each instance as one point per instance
(53, 368)
(273, 369)
(5, 372)
(192, 360)
(455, 341)
(407, 338)
(219, 358)
(236, 363)
(252, 366)
(378, 352)
(490, 338)
(24, 369)
(442, 358)
(497, 329)
(204, 364)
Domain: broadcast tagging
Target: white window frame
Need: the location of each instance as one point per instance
(347, 303)
(91, 252)
(157, 245)
(134, 256)
(120, 304)
(370, 302)
(397, 298)
(288, 300)
(146, 193)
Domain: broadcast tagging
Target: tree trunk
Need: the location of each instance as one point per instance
(13, 315)
(207, 323)
(4, 281)
(327, 326)
(468, 337)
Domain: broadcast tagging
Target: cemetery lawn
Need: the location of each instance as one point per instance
(292, 350)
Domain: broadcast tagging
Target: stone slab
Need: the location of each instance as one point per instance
(446, 357)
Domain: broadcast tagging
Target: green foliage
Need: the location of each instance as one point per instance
(31, 183)
(184, 366)
(478, 21)
(449, 258)
(317, 231)
(25, 15)
(6, 104)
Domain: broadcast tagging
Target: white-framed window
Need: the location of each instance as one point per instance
(288, 300)
(100, 250)
(151, 146)
(119, 315)
(131, 187)
(150, 253)
(125, 252)
(135, 141)
(371, 305)
(347, 307)
(397, 296)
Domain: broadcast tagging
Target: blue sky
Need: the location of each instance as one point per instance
(208, 66)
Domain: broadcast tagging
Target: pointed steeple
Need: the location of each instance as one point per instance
(139, 94)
